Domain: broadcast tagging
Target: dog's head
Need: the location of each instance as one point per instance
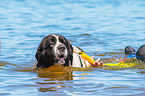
(54, 49)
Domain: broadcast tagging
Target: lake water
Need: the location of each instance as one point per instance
(102, 28)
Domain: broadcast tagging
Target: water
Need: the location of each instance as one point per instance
(102, 28)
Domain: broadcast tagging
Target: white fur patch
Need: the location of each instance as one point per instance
(56, 51)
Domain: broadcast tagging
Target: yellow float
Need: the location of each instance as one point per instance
(107, 65)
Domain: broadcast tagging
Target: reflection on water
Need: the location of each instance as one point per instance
(56, 73)
(71, 81)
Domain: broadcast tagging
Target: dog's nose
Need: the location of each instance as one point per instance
(61, 47)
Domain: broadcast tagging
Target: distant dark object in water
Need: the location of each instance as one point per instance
(129, 50)
(140, 54)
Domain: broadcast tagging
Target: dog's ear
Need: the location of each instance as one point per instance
(44, 54)
(38, 56)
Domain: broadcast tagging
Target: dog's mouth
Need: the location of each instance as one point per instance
(60, 60)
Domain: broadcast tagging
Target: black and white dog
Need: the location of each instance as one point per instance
(56, 49)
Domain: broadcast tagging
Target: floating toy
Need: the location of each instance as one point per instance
(119, 65)
(111, 65)
(87, 57)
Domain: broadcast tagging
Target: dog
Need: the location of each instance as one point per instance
(55, 49)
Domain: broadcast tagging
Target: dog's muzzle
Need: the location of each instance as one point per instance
(61, 54)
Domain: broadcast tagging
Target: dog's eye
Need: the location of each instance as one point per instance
(52, 40)
(51, 44)
(61, 40)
